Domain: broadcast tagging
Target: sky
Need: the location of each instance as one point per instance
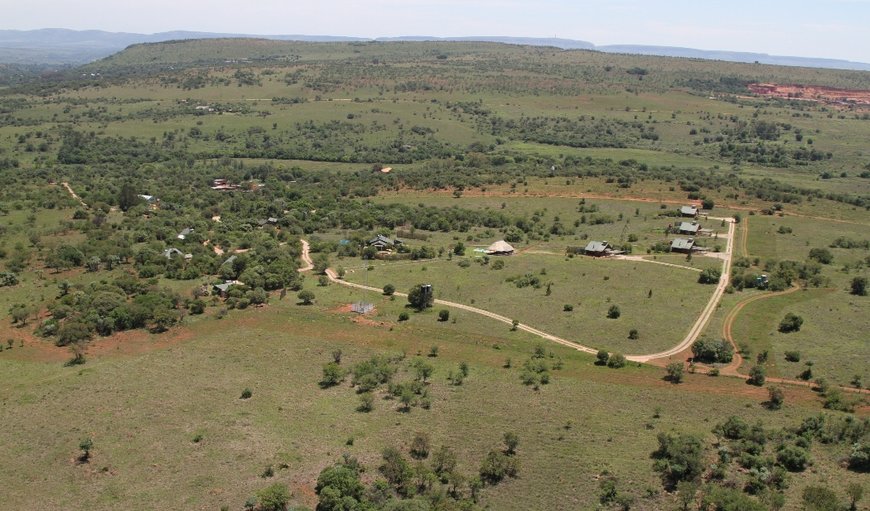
(821, 28)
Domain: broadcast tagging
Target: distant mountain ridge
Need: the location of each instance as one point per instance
(56, 46)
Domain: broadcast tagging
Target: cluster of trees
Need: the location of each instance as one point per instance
(430, 481)
(752, 464)
(107, 307)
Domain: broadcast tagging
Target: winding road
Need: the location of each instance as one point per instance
(687, 341)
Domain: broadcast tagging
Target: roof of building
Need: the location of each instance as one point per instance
(682, 244)
(688, 226)
(500, 247)
(223, 287)
(169, 252)
(689, 210)
(186, 231)
(380, 238)
(597, 246)
(229, 260)
(146, 198)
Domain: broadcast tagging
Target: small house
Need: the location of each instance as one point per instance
(229, 260)
(221, 289)
(690, 228)
(500, 247)
(689, 211)
(172, 251)
(184, 233)
(598, 248)
(382, 243)
(684, 245)
(150, 199)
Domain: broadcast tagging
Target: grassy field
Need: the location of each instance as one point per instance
(590, 286)
(144, 409)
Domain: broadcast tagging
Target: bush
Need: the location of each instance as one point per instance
(421, 297)
(274, 498)
(756, 376)
(196, 307)
(775, 398)
(712, 351)
(613, 312)
(366, 402)
(443, 315)
(710, 276)
(420, 446)
(790, 323)
(633, 335)
(403, 316)
(793, 356)
(306, 296)
(389, 289)
(859, 286)
(567, 307)
(246, 394)
(793, 458)
(333, 374)
(822, 255)
(602, 357)
(617, 361)
(496, 466)
(679, 457)
(675, 372)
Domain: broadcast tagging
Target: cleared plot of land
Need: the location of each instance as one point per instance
(590, 286)
(143, 412)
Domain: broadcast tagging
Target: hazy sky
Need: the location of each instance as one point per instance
(822, 28)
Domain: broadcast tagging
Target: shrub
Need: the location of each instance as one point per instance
(793, 458)
(421, 297)
(567, 307)
(822, 255)
(675, 372)
(633, 335)
(443, 315)
(617, 361)
(306, 296)
(496, 466)
(793, 356)
(710, 276)
(389, 289)
(366, 402)
(498, 264)
(246, 394)
(756, 376)
(602, 357)
(613, 312)
(403, 316)
(790, 323)
(679, 457)
(333, 374)
(420, 446)
(274, 498)
(775, 398)
(712, 351)
(859, 286)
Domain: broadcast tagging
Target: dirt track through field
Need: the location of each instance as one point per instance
(73, 194)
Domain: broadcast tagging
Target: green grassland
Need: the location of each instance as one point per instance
(143, 412)
(590, 286)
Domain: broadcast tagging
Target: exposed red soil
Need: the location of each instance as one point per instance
(816, 93)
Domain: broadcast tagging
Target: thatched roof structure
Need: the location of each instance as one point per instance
(500, 247)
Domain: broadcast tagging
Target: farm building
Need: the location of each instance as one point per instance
(172, 251)
(690, 228)
(685, 245)
(598, 248)
(184, 233)
(500, 247)
(150, 199)
(689, 211)
(382, 242)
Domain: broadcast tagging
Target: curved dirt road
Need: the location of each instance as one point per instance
(708, 311)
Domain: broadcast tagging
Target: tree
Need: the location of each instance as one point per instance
(85, 446)
(321, 263)
(333, 374)
(511, 441)
(443, 462)
(274, 498)
(791, 323)
(420, 446)
(339, 488)
(678, 457)
(496, 466)
(822, 255)
(616, 361)
(859, 286)
(820, 498)
(613, 312)
(366, 402)
(389, 289)
(443, 315)
(421, 296)
(793, 458)
(397, 471)
(675, 372)
(710, 276)
(756, 376)
(775, 398)
(712, 351)
(633, 335)
(707, 204)
(306, 296)
(422, 369)
(127, 198)
(602, 357)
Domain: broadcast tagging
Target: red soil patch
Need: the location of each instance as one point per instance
(361, 319)
(820, 94)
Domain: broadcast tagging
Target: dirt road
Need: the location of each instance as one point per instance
(73, 194)
(708, 311)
